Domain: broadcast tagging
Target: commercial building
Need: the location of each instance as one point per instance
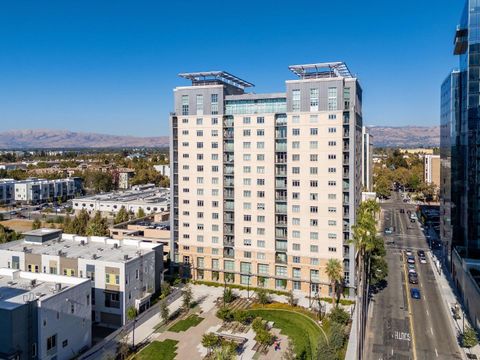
(43, 316)
(34, 191)
(148, 197)
(367, 160)
(124, 177)
(432, 169)
(460, 169)
(123, 272)
(265, 186)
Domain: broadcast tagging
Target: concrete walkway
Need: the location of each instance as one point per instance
(449, 295)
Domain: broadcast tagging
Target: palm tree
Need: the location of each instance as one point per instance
(334, 271)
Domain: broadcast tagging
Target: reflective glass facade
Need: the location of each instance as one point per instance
(256, 106)
(460, 146)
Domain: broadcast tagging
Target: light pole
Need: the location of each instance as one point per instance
(248, 284)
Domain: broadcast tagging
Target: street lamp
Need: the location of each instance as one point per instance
(248, 284)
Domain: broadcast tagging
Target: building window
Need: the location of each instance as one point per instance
(199, 104)
(214, 104)
(313, 99)
(52, 344)
(184, 104)
(296, 100)
(332, 98)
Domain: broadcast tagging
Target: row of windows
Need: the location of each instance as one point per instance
(259, 157)
(260, 120)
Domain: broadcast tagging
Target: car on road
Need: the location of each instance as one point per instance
(410, 260)
(388, 231)
(421, 253)
(423, 260)
(413, 278)
(415, 293)
(408, 252)
(412, 220)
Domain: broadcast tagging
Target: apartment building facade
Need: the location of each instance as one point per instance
(265, 186)
(34, 190)
(367, 160)
(124, 273)
(38, 313)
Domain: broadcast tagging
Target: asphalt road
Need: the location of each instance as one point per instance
(389, 327)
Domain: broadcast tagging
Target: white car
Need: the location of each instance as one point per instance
(423, 260)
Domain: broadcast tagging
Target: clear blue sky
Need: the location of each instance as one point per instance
(110, 66)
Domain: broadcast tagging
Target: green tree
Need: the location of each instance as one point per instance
(97, 225)
(228, 296)
(67, 225)
(80, 223)
(262, 296)
(334, 271)
(122, 216)
(332, 342)
(165, 289)
(210, 341)
(131, 313)
(187, 297)
(164, 311)
(141, 213)
(292, 301)
(469, 337)
(37, 224)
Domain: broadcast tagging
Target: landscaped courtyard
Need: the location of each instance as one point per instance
(245, 328)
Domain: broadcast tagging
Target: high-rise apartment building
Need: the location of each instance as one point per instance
(265, 186)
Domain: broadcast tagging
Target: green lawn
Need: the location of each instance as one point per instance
(159, 350)
(302, 331)
(183, 325)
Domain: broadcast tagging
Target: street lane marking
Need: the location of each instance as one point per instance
(412, 330)
(431, 330)
(436, 352)
(428, 313)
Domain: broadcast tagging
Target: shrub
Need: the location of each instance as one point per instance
(264, 337)
(339, 316)
(469, 337)
(262, 296)
(258, 324)
(225, 314)
(242, 317)
(228, 296)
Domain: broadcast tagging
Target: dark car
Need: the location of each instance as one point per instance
(412, 220)
(410, 260)
(402, 211)
(421, 253)
(413, 278)
(415, 293)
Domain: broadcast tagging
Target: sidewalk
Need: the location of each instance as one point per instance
(448, 294)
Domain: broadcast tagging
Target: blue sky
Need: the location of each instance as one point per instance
(110, 66)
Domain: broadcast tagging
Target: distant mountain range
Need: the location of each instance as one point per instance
(405, 136)
(383, 136)
(64, 139)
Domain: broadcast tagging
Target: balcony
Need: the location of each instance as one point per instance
(228, 242)
(281, 147)
(228, 134)
(281, 245)
(280, 208)
(228, 253)
(281, 133)
(229, 194)
(228, 230)
(280, 184)
(228, 122)
(228, 158)
(346, 161)
(228, 146)
(281, 170)
(228, 218)
(281, 258)
(281, 233)
(346, 174)
(281, 158)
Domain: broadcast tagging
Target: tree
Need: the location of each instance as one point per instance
(469, 337)
(67, 224)
(132, 316)
(122, 216)
(187, 296)
(332, 342)
(80, 223)
(165, 289)
(334, 271)
(37, 224)
(97, 226)
(339, 316)
(210, 341)
(164, 311)
(228, 296)
(141, 213)
(292, 301)
(262, 296)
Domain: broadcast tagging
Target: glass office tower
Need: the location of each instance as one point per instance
(460, 141)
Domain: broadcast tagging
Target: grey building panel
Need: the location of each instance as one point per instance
(322, 85)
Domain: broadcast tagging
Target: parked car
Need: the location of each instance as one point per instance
(413, 278)
(388, 231)
(408, 252)
(411, 260)
(412, 220)
(415, 293)
(421, 253)
(423, 260)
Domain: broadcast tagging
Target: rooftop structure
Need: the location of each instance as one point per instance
(321, 70)
(215, 77)
(150, 198)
